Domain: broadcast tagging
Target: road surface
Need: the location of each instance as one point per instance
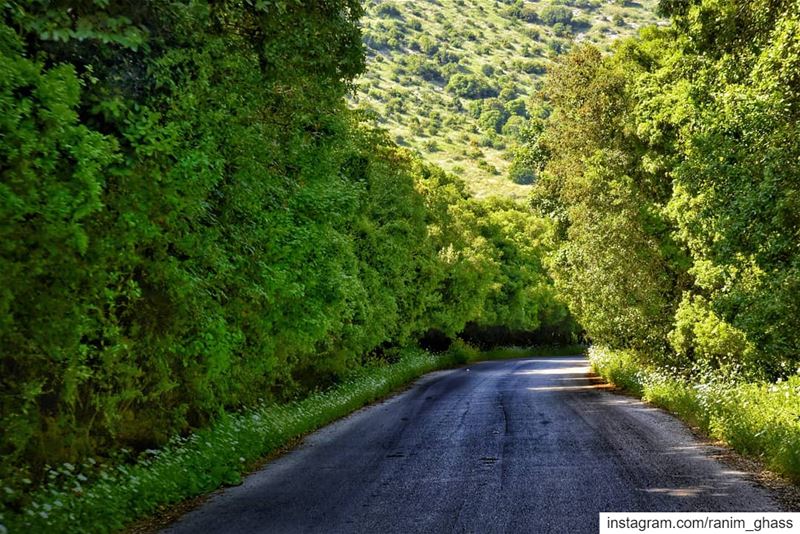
(533, 445)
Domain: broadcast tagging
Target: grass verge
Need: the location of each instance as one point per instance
(756, 419)
(218, 455)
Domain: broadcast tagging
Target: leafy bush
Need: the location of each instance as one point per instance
(492, 120)
(521, 175)
(388, 9)
(514, 126)
(431, 145)
(447, 57)
(562, 30)
(517, 107)
(471, 86)
(522, 12)
(552, 15)
(427, 70)
(530, 66)
(712, 345)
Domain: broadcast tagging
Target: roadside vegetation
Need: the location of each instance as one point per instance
(670, 170)
(755, 418)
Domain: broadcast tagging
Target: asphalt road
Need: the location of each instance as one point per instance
(534, 445)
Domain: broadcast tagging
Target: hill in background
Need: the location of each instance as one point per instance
(456, 79)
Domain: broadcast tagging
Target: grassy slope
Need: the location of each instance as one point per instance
(478, 32)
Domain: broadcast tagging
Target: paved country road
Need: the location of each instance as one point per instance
(534, 445)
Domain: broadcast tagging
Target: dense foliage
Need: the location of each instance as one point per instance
(671, 167)
(192, 222)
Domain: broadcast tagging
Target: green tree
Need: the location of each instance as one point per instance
(616, 266)
(471, 86)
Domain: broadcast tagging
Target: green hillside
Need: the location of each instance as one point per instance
(456, 79)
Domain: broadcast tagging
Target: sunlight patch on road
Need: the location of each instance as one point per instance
(582, 370)
(569, 388)
(562, 361)
(593, 379)
(691, 491)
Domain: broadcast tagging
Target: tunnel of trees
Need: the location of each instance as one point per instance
(193, 222)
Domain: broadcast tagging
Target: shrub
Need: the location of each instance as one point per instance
(492, 120)
(388, 9)
(552, 15)
(471, 86)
